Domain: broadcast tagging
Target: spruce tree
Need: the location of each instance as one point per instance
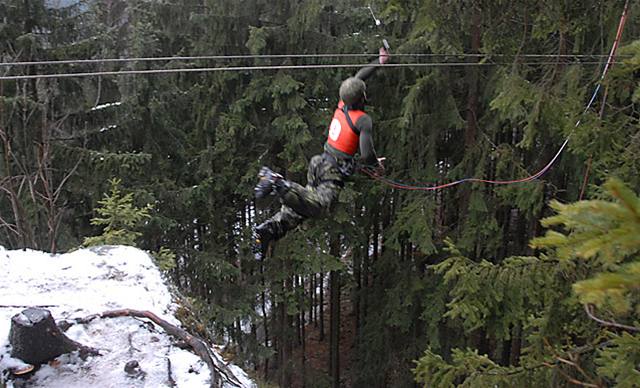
(449, 270)
(119, 217)
(597, 250)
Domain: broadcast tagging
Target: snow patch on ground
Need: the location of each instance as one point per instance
(91, 281)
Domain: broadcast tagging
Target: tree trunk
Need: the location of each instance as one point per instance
(321, 306)
(334, 326)
(312, 300)
(472, 81)
(364, 286)
(297, 285)
(288, 335)
(355, 297)
(471, 128)
(265, 321)
(35, 338)
(303, 361)
(21, 227)
(516, 345)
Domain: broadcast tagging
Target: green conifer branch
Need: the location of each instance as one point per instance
(119, 216)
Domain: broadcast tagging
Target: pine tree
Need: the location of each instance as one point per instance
(604, 234)
(119, 218)
(598, 249)
(31, 117)
(191, 144)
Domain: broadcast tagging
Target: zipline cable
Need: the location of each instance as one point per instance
(399, 185)
(287, 56)
(275, 67)
(610, 60)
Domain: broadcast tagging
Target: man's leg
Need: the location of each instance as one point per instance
(311, 201)
(299, 202)
(274, 229)
(324, 182)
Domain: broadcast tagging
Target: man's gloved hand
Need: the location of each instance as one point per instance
(384, 56)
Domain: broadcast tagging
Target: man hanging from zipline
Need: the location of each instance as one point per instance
(350, 131)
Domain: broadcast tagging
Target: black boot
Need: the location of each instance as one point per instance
(268, 181)
(261, 239)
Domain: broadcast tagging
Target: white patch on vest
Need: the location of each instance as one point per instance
(334, 129)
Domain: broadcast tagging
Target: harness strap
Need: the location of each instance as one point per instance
(345, 110)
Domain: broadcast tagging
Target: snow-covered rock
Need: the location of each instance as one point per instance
(91, 281)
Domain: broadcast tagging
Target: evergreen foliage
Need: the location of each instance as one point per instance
(450, 271)
(605, 234)
(601, 232)
(119, 218)
(165, 259)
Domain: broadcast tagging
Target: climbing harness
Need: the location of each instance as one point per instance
(610, 59)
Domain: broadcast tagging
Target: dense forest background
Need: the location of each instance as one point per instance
(398, 288)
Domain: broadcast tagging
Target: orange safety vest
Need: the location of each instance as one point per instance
(341, 136)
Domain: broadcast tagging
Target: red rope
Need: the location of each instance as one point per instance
(608, 66)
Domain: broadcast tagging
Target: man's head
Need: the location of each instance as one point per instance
(352, 91)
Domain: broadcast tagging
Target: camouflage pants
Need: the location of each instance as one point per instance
(324, 181)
